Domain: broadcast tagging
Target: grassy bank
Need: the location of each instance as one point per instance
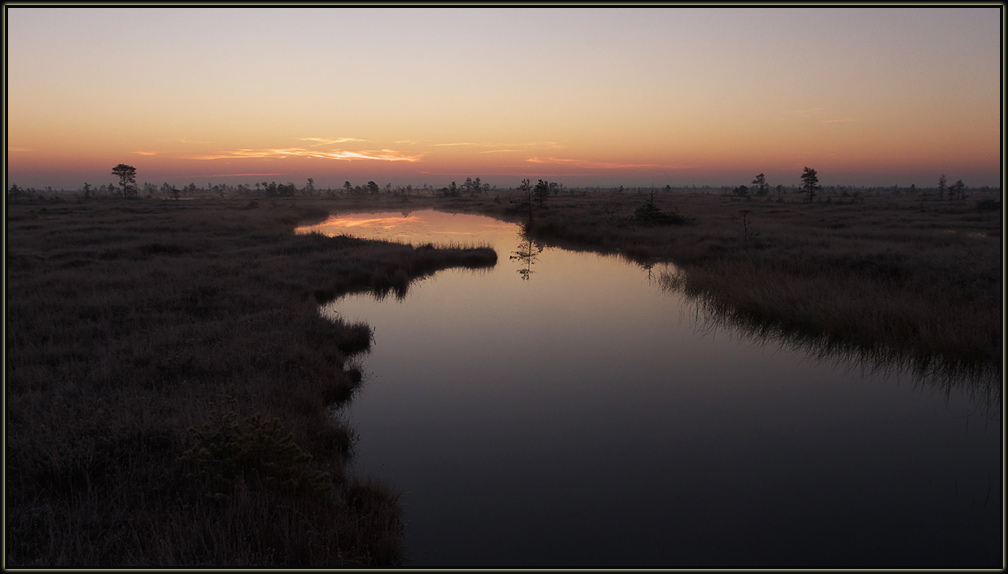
(891, 278)
(169, 386)
(169, 381)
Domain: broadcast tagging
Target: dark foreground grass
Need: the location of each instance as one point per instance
(169, 386)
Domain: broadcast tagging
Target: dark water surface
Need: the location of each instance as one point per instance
(580, 416)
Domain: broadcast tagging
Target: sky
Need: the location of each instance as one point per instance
(635, 96)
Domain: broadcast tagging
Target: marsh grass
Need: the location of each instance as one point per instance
(904, 278)
(169, 386)
(981, 380)
(890, 280)
(130, 324)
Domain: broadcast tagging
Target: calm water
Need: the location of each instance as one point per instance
(569, 412)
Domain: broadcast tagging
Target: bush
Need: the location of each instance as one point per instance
(253, 450)
(649, 214)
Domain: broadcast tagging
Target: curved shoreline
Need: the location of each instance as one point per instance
(169, 381)
(140, 331)
(918, 280)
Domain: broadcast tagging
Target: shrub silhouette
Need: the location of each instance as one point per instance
(650, 214)
(253, 450)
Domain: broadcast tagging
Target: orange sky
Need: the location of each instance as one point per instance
(584, 96)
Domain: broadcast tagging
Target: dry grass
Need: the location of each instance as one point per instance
(911, 278)
(140, 331)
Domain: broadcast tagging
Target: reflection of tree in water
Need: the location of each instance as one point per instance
(649, 267)
(980, 381)
(527, 254)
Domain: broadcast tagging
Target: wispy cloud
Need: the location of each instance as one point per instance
(383, 155)
(501, 151)
(329, 141)
(282, 153)
(590, 164)
(838, 121)
(455, 144)
(145, 152)
(17, 149)
(802, 113)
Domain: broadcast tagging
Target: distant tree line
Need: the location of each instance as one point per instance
(538, 193)
(810, 188)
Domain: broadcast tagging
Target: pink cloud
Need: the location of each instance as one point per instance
(281, 153)
(329, 141)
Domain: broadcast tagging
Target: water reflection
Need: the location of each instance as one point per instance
(578, 420)
(648, 266)
(527, 254)
(981, 381)
(415, 227)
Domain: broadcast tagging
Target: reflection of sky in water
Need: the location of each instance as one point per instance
(420, 227)
(382, 222)
(585, 418)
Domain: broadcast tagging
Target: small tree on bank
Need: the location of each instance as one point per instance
(956, 190)
(810, 183)
(761, 185)
(526, 188)
(541, 192)
(127, 179)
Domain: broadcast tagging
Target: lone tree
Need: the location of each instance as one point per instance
(956, 190)
(127, 179)
(541, 192)
(761, 185)
(526, 188)
(941, 186)
(810, 182)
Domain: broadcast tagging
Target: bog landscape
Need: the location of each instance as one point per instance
(571, 287)
(175, 397)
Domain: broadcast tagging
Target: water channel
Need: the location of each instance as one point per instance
(563, 410)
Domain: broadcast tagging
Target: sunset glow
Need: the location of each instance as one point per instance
(583, 96)
(382, 222)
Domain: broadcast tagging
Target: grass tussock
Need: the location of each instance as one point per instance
(169, 384)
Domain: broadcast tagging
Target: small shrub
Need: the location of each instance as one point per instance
(649, 214)
(356, 339)
(252, 450)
